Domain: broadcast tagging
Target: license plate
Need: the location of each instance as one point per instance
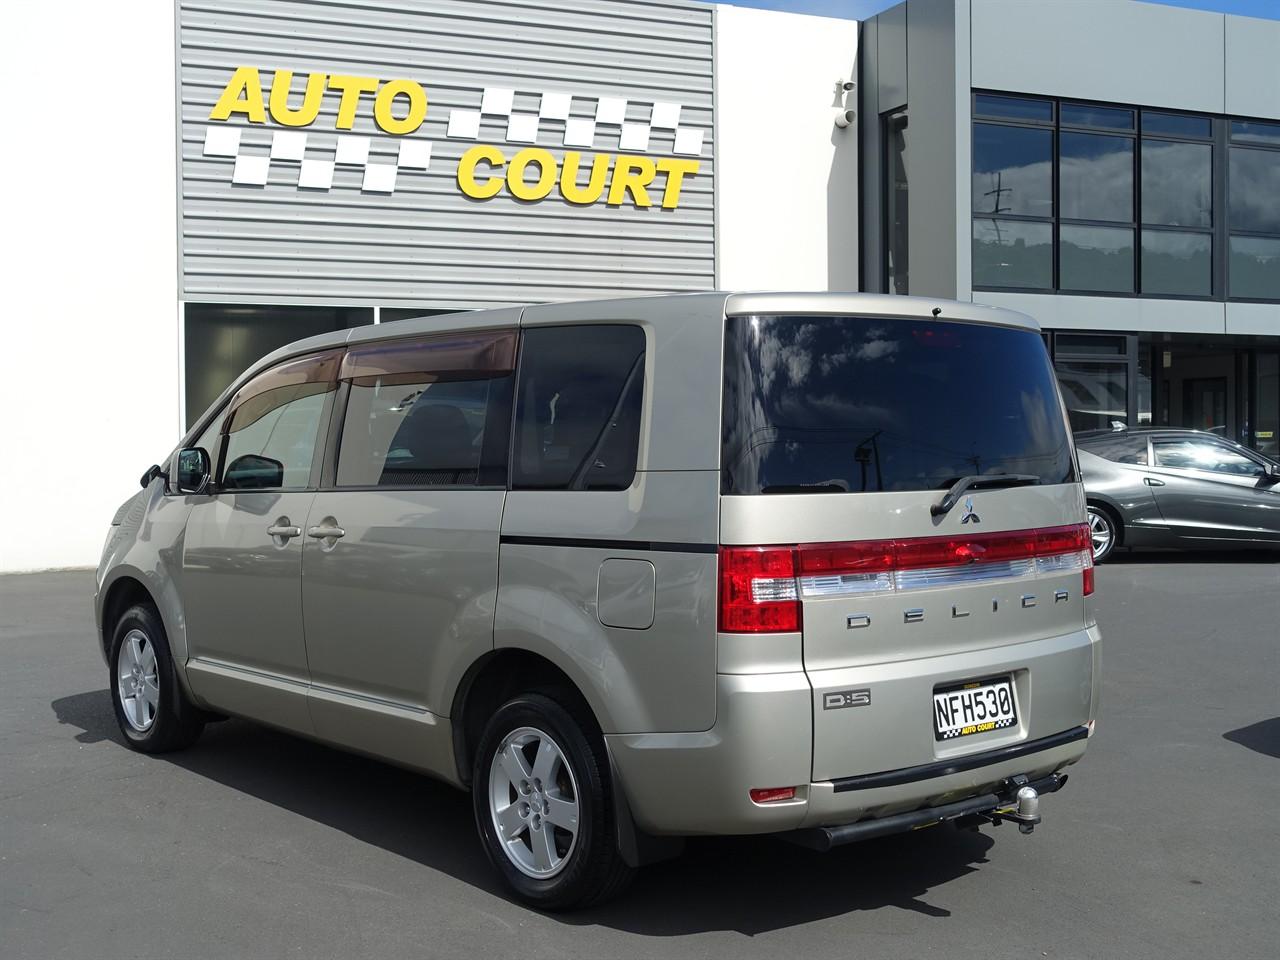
(976, 706)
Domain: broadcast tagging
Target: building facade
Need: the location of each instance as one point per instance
(1112, 169)
(245, 173)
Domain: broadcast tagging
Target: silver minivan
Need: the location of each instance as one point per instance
(810, 565)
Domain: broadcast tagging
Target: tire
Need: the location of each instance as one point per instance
(154, 714)
(1104, 532)
(543, 861)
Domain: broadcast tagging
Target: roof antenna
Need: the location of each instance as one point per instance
(936, 311)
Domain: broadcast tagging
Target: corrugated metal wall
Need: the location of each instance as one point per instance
(425, 243)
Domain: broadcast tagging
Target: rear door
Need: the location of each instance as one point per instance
(400, 565)
(1211, 491)
(841, 434)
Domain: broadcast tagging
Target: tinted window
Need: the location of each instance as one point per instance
(836, 404)
(1255, 267)
(1254, 190)
(1176, 125)
(1012, 170)
(578, 407)
(1177, 263)
(1013, 108)
(1255, 131)
(1095, 177)
(275, 421)
(1118, 447)
(1082, 115)
(1012, 253)
(1096, 394)
(428, 413)
(411, 430)
(1177, 183)
(1204, 455)
(1095, 258)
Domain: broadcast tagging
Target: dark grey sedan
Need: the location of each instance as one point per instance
(1177, 488)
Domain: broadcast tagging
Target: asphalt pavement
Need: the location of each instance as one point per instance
(253, 844)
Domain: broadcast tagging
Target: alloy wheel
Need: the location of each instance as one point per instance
(534, 802)
(137, 680)
(1101, 533)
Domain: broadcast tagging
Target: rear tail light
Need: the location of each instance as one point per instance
(758, 590)
(761, 588)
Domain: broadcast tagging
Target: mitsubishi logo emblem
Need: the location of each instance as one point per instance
(969, 515)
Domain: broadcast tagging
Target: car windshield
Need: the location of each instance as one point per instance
(853, 404)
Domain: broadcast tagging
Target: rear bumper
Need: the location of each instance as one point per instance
(699, 783)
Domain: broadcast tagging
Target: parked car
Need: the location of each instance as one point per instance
(808, 565)
(1157, 487)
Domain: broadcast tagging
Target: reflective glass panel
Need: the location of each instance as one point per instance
(1253, 190)
(1177, 263)
(1095, 258)
(1176, 125)
(1095, 177)
(1083, 115)
(1096, 394)
(1177, 183)
(1254, 270)
(1255, 131)
(1012, 253)
(1012, 170)
(1014, 108)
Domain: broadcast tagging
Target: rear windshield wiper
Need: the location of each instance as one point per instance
(982, 481)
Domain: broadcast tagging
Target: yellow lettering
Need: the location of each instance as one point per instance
(631, 174)
(467, 182)
(306, 114)
(675, 169)
(244, 81)
(417, 107)
(351, 88)
(569, 188)
(546, 174)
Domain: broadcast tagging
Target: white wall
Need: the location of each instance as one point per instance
(89, 392)
(786, 177)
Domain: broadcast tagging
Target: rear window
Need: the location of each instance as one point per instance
(1117, 447)
(853, 404)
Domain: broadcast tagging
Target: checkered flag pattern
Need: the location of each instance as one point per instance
(290, 147)
(554, 108)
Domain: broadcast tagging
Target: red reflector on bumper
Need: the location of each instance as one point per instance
(772, 794)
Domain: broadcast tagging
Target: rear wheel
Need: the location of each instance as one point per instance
(544, 807)
(153, 713)
(1103, 532)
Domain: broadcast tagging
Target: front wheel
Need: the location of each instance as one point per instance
(543, 805)
(153, 712)
(1102, 533)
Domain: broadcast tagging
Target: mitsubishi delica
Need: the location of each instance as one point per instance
(808, 565)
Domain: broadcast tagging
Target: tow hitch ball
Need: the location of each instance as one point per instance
(1025, 811)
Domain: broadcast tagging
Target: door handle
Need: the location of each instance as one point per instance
(282, 531)
(327, 532)
(1152, 482)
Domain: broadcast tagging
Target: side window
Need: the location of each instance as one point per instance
(270, 436)
(1204, 455)
(578, 408)
(1120, 448)
(428, 413)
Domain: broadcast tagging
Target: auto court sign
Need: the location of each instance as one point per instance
(654, 158)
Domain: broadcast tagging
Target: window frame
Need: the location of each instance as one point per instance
(1219, 231)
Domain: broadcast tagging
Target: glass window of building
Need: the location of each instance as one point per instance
(1095, 177)
(1012, 253)
(1253, 210)
(895, 198)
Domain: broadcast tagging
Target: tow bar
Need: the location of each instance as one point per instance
(1017, 800)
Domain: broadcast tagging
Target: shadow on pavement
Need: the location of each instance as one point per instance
(1262, 737)
(742, 884)
(1141, 556)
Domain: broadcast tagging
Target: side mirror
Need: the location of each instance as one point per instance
(193, 472)
(153, 471)
(253, 472)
